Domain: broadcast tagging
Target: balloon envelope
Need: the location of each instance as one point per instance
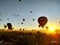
(21, 22)
(7, 18)
(30, 11)
(23, 19)
(20, 0)
(33, 19)
(42, 21)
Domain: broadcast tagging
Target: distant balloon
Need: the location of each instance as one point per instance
(46, 27)
(30, 11)
(20, 0)
(7, 18)
(23, 19)
(9, 26)
(5, 26)
(17, 15)
(21, 22)
(42, 21)
(33, 19)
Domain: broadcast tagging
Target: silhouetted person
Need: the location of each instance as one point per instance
(9, 26)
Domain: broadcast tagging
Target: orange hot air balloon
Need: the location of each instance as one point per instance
(42, 21)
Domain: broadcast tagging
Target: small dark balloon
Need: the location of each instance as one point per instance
(7, 18)
(30, 11)
(23, 19)
(20, 29)
(21, 22)
(17, 15)
(5, 26)
(46, 27)
(33, 19)
(20, 0)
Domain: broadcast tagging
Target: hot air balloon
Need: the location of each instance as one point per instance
(33, 19)
(21, 22)
(46, 27)
(9, 26)
(17, 15)
(7, 18)
(42, 21)
(23, 19)
(5, 26)
(30, 11)
(20, 0)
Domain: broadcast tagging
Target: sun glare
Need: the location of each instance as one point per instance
(52, 30)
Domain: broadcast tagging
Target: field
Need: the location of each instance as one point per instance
(9, 37)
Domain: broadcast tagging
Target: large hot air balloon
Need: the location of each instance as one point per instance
(42, 21)
(9, 26)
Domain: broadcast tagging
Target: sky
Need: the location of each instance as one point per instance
(16, 11)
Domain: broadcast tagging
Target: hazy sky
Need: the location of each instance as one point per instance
(12, 8)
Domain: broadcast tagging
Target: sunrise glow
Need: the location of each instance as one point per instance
(52, 29)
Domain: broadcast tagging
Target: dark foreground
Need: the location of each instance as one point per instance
(28, 38)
